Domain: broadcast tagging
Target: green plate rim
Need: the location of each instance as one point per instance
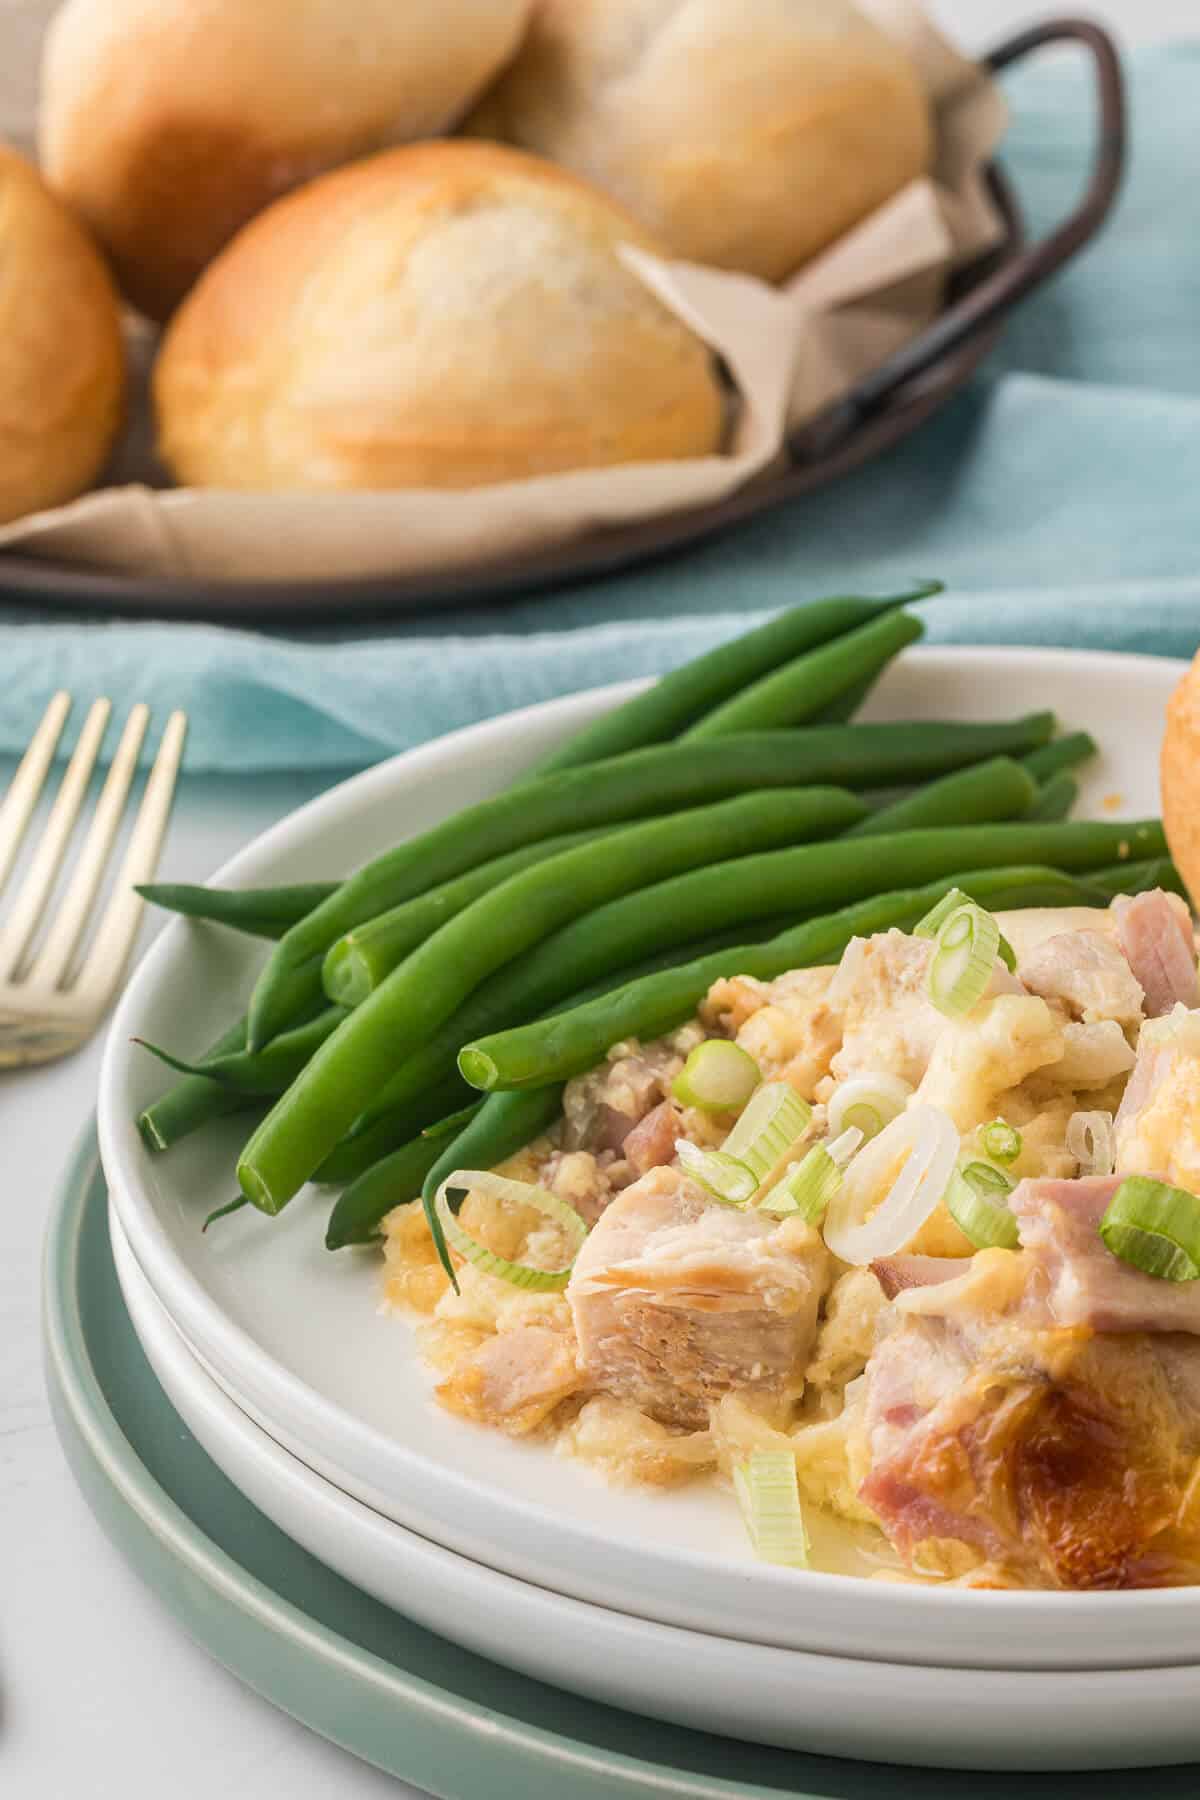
(441, 1741)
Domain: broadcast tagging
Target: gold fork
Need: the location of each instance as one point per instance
(48, 1007)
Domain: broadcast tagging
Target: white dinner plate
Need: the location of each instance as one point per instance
(832, 1705)
(295, 1335)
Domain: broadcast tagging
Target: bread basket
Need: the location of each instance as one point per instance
(885, 407)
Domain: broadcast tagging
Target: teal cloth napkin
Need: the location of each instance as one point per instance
(1058, 498)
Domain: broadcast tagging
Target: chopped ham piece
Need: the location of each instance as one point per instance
(995, 1435)
(514, 1380)
(1077, 1279)
(895, 1273)
(1155, 932)
(604, 1106)
(1087, 974)
(677, 1301)
(652, 1142)
(1064, 1462)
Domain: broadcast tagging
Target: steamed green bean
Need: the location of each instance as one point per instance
(433, 982)
(792, 694)
(989, 792)
(261, 912)
(570, 1043)
(1055, 799)
(1060, 755)
(681, 697)
(646, 782)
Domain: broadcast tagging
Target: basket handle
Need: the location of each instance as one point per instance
(1015, 278)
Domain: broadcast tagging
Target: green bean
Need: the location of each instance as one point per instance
(193, 1102)
(681, 697)
(658, 780)
(1055, 799)
(696, 904)
(989, 792)
(262, 912)
(446, 1093)
(549, 978)
(260, 1072)
(509, 1123)
(433, 982)
(1140, 878)
(358, 1213)
(429, 1082)
(1064, 753)
(360, 960)
(790, 695)
(843, 709)
(570, 1043)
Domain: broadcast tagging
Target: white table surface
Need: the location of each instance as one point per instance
(100, 1694)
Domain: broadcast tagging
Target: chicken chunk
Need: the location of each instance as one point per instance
(514, 1380)
(1155, 933)
(677, 1301)
(1088, 974)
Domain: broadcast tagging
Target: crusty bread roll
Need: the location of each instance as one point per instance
(62, 362)
(445, 315)
(1179, 770)
(744, 133)
(169, 123)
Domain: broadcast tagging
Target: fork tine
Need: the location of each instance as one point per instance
(109, 952)
(47, 858)
(29, 780)
(55, 954)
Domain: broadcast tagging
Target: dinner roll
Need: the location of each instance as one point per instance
(745, 133)
(169, 123)
(444, 315)
(1180, 779)
(62, 362)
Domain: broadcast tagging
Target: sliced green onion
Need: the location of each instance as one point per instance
(964, 958)
(976, 1199)
(765, 1485)
(1000, 1141)
(892, 1186)
(499, 1187)
(717, 1077)
(775, 1117)
(809, 1185)
(868, 1103)
(1092, 1142)
(936, 917)
(1155, 1228)
(1007, 954)
(724, 1177)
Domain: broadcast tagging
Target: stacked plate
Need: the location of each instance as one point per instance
(316, 1404)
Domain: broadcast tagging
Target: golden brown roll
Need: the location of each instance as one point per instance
(1180, 779)
(169, 123)
(62, 362)
(745, 133)
(445, 315)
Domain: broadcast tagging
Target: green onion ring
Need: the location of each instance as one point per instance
(975, 1198)
(500, 1187)
(1154, 1228)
